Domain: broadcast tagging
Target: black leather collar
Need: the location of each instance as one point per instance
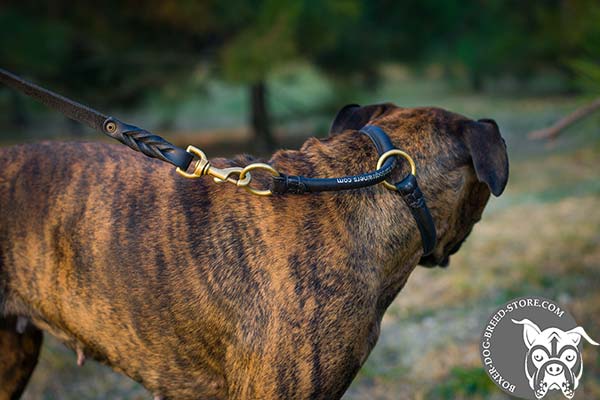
(414, 199)
(408, 188)
(300, 184)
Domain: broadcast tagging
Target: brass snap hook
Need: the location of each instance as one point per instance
(220, 175)
(396, 152)
(199, 168)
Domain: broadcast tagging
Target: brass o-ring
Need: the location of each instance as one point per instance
(396, 152)
(248, 168)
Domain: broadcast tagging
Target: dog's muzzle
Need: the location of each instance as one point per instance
(554, 374)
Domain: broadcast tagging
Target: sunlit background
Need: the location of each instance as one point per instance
(253, 76)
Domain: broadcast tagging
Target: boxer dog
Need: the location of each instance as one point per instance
(204, 291)
(553, 360)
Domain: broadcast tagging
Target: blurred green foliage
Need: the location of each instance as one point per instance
(132, 46)
(586, 66)
(246, 40)
(467, 383)
(114, 53)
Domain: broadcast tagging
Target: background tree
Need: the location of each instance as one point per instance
(582, 16)
(117, 52)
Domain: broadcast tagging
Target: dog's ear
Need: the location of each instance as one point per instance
(530, 331)
(488, 152)
(577, 333)
(353, 116)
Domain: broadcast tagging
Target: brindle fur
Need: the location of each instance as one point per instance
(203, 291)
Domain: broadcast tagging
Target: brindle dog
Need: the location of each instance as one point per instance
(204, 291)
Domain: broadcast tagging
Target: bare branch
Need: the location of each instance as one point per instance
(553, 131)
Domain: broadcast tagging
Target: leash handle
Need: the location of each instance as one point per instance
(136, 138)
(70, 108)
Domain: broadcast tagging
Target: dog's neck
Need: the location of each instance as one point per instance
(378, 222)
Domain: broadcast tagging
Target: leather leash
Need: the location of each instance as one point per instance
(156, 147)
(134, 137)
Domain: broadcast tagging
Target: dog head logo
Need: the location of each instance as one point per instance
(553, 360)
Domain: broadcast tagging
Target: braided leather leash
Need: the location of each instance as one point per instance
(156, 147)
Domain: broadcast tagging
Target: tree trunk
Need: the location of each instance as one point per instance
(563, 123)
(476, 81)
(260, 119)
(19, 117)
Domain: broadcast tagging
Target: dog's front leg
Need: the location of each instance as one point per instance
(19, 349)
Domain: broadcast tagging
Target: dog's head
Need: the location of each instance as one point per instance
(553, 360)
(459, 162)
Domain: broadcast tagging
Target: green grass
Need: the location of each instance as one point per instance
(469, 383)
